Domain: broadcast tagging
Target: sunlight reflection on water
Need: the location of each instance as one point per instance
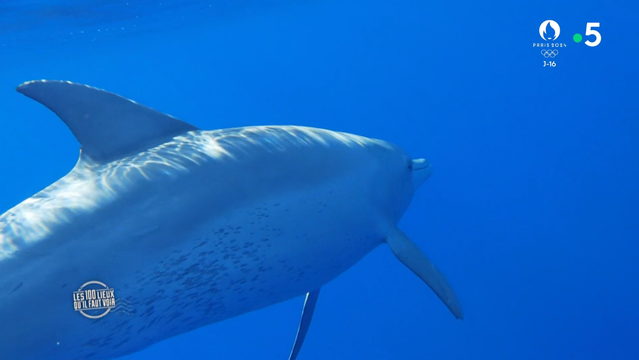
(42, 21)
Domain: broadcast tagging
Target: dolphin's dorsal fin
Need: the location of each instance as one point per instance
(107, 125)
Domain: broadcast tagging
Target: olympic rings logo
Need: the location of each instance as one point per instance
(549, 53)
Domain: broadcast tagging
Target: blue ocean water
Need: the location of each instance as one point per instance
(532, 211)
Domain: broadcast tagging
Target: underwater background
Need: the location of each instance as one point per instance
(532, 211)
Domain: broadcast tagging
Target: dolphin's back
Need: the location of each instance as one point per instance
(252, 161)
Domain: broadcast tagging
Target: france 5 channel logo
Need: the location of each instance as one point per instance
(549, 32)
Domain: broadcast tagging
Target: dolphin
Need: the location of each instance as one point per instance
(176, 228)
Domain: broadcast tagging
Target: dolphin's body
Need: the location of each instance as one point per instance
(191, 227)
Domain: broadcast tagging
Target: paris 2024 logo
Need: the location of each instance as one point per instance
(549, 31)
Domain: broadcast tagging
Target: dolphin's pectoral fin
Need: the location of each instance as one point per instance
(107, 125)
(410, 255)
(305, 322)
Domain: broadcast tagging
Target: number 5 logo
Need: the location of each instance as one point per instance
(590, 31)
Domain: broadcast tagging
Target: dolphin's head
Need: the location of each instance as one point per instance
(397, 179)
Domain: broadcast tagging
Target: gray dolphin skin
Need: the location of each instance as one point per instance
(189, 227)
